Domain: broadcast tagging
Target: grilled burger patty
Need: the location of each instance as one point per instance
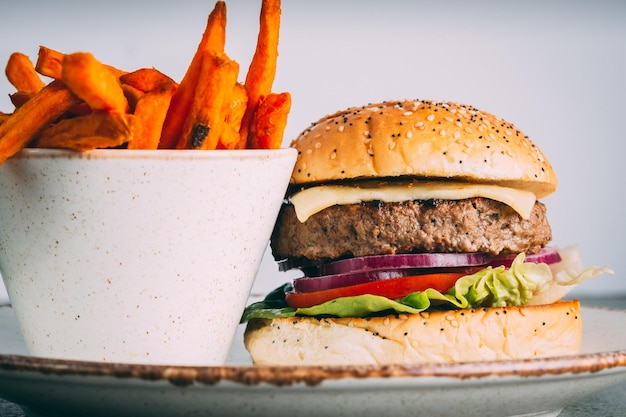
(373, 228)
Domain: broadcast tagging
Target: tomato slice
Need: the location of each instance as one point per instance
(391, 288)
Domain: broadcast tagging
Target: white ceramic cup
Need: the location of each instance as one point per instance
(136, 256)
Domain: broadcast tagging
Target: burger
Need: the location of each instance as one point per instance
(419, 232)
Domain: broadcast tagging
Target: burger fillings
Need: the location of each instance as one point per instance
(418, 229)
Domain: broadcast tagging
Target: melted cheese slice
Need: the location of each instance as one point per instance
(315, 199)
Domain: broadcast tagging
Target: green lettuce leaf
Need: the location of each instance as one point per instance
(367, 304)
(499, 287)
(571, 270)
(273, 306)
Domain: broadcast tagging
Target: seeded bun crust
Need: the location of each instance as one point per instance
(446, 336)
(421, 139)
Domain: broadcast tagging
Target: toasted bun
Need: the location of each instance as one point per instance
(446, 336)
(421, 139)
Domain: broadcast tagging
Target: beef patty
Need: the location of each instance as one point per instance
(374, 228)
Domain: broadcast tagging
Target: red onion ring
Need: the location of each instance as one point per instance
(545, 255)
(385, 262)
(404, 261)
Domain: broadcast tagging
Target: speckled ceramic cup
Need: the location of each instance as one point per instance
(136, 256)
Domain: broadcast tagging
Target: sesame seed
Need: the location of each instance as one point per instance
(408, 113)
(409, 134)
(442, 132)
(341, 128)
(468, 130)
(366, 133)
(430, 117)
(457, 135)
(318, 145)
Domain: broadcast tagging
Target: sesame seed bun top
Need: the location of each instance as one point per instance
(421, 138)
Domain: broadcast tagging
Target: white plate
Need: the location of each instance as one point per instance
(539, 387)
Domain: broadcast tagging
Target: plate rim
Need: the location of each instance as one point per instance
(251, 375)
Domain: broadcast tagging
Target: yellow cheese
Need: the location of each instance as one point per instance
(315, 199)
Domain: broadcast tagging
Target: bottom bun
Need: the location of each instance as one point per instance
(480, 334)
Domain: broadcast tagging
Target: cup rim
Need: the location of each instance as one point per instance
(154, 154)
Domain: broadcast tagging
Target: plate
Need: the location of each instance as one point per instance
(537, 387)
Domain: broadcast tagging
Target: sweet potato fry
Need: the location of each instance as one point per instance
(93, 82)
(270, 121)
(4, 117)
(213, 39)
(206, 119)
(84, 133)
(235, 110)
(79, 109)
(50, 64)
(147, 79)
(237, 106)
(27, 121)
(20, 97)
(21, 73)
(262, 70)
(149, 116)
(132, 95)
(229, 138)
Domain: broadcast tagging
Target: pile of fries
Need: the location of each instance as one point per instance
(89, 105)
